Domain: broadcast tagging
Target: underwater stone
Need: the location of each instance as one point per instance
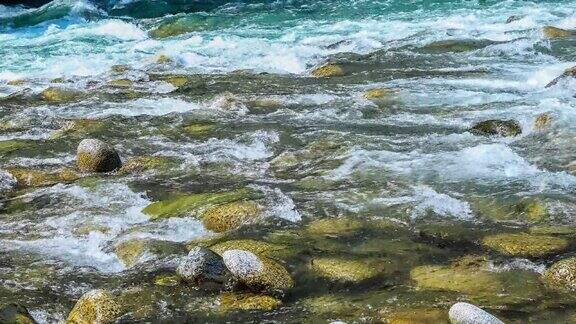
(96, 156)
(96, 306)
(464, 313)
(561, 275)
(133, 251)
(233, 301)
(260, 248)
(15, 314)
(418, 316)
(145, 163)
(11, 146)
(542, 122)
(552, 32)
(78, 128)
(59, 95)
(328, 70)
(524, 244)
(231, 216)
(334, 226)
(496, 127)
(344, 270)
(201, 264)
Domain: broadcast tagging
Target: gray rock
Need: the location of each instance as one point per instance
(7, 182)
(96, 156)
(497, 127)
(201, 264)
(242, 263)
(464, 313)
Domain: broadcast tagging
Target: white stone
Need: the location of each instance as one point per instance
(464, 313)
(242, 263)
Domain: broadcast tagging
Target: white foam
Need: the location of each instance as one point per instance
(427, 199)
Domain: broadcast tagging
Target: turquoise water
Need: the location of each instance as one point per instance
(223, 93)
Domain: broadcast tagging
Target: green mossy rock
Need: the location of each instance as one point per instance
(121, 83)
(334, 227)
(347, 270)
(313, 160)
(200, 129)
(60, 95)
(184, 25)
(494, 127)
(472, 277)
(244, 302)
(30, 178)
(418, 316)
(139, 302)
(524, 244)
(561, 275)
(133, 251)
(527, 210)
(552, 32)
(167, 280)
(542, 122)
(96, 306)
(12, 146)
(195, 204)
(146, 163)
(328, 70)
(231, 216)
(377, 93)
(15, 314)
(316, 184)
(260, 248)
(553, 230)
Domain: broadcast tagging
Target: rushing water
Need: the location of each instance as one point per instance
(409, 157)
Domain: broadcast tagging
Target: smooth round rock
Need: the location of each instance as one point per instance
(96, 156)
(242, 263)
(561, 275)
(464, 313)
(201, 264)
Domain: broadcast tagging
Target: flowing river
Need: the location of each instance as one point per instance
(373, 188)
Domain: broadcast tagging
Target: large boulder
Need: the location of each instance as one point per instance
(561, 275)
(15, 314)
(96, 156)
(464, 313)
(96, 306)
(257, 273)
(552, 32)
(202, 265)
(495, 127)
(524, 244)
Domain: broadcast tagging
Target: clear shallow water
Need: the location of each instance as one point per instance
(409, 158)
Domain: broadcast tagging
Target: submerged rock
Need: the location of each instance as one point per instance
(78, 128)
(464, 313)
(145, 163)
(524, 244)
(199, 129)
(194, 204)
(59, 95)
(496, 127)
(38, 178)
(377, 93)
(567, 74)
(542, 122)
(328, 70)
(201, 265)
(552, 32)
(133, 251)
(257, 273)
(233, 302)
(334, 226)
(11, 146)
(15, 314)
(418, 316)
(231, 216)
(527, 210)
(561, 275)
(347, 270)
(96, 156)
(96, 306)
(259, 248)
(473, 277)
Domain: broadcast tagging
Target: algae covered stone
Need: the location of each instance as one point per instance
(328, 70)
(195, 204)
(561, 275)
(15, 314)
(257, 273)
(418, 316)
(552, 32)
(131, 252)
(524, 244)
(79, 128)
(542, 122)
(96, 156)
(199, 129)
(334, 226)
(261, 248)
(494, 127)
(231, 215)
(96, 306)
(59, 95)
(201, 264)
(346, 270)
(11, 146)
(145, 163)
(473, 277)
(243, 302)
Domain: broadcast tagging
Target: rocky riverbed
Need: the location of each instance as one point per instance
(288, 162)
